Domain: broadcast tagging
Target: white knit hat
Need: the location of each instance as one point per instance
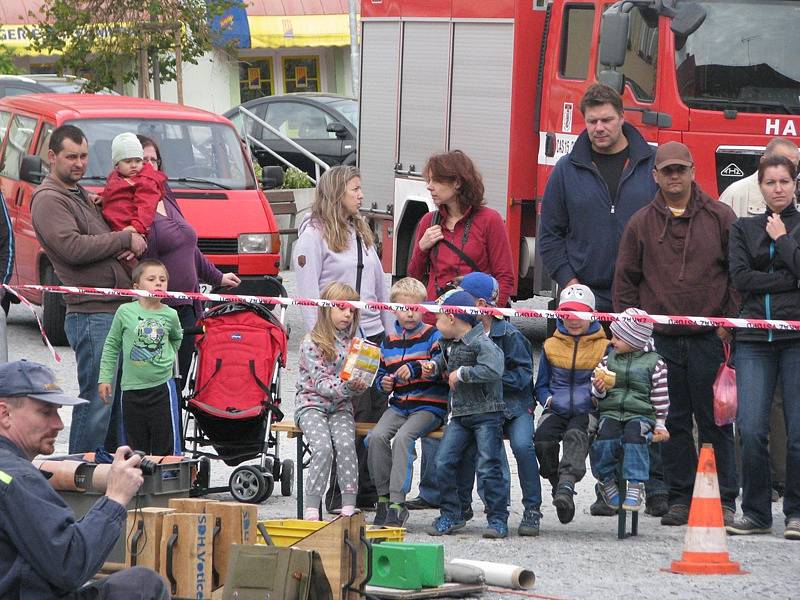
(635, 333)
(126, 145)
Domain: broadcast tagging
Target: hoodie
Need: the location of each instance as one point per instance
(316, 266)
(670, 265)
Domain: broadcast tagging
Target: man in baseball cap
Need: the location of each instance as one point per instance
(45, 552)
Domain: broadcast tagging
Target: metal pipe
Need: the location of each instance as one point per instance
(355, 62)
(279, 157)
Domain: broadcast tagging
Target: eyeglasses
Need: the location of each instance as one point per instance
(673, 169)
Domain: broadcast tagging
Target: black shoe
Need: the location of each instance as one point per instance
(396, 517)
(380, 514)
(366, 502)
(656, 505)
(745, 526)
(599, 508)
(467, 514)
(677, 515)
(419, 503)
(562, 500)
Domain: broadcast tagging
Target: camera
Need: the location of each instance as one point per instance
(147, 466)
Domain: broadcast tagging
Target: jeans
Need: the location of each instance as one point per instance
(692, 364)
(428, 485)
(91, 422)
(759, 367)
(486, 431)
(631, 437)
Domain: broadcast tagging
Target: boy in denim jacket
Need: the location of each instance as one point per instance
(473, 366)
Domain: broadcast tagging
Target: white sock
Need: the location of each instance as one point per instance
(311, 514)
(348, 510)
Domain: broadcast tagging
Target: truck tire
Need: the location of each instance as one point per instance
(53, 310)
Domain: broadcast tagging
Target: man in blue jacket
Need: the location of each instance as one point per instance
(44, 552)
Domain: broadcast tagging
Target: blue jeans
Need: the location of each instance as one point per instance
(760, 366)
(486, 431)
(692, 365)
(428, 485)
(631, 437)
(86, 333)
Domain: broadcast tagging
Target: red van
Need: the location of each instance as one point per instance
(208, 167)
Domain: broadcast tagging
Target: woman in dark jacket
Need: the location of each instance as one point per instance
(765, 268)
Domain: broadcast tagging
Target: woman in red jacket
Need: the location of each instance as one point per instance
(462, 235)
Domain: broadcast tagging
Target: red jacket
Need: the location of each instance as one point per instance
(486, 244)
(133, 200)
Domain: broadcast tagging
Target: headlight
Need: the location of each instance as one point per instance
(254, 243)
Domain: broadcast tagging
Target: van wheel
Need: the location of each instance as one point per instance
(53, 310)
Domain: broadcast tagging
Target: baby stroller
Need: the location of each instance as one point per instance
(234, 397)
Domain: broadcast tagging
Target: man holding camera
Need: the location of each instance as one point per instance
(44, 551)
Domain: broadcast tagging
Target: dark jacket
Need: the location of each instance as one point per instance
(672, 265)
(518, 370)
(766, 273)
(80, 245)
(44, 552)
(580, 229)
(480, 386)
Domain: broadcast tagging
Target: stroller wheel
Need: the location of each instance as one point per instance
(287, 477)
(248, 484)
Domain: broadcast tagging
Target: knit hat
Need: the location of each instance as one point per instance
(635, 333)
(460, 298)
(126, 145)
(577, 297)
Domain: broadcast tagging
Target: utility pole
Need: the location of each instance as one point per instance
(355, 61)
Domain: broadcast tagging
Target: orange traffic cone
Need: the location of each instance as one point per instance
(705, 548)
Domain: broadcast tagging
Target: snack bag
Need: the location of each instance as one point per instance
(362, 361)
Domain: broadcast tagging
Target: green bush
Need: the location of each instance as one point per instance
(294, 178)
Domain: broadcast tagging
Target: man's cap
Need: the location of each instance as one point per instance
(460, 298)
(126, 145)
(635, 333)
(25, 378)
(673, 153)
(481, 285)
(577, 297)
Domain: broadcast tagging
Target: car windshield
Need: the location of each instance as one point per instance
(349, 108)
(744, 57)
(195, 154)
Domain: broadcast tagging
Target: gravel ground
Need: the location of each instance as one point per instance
(581, 560)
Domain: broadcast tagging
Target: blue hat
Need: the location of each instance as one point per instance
(460, 298)
(482, 286)
(25, 378)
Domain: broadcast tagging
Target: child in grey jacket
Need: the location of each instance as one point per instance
(473, 366)
(324, 412)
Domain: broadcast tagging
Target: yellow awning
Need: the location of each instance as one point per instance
(299, 31)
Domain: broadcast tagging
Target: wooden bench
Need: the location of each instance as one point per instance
(292, 430)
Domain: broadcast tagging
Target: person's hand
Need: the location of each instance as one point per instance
(431, 236)
(775, 227)
(403, 373)
(230, 280)
(428, 368)
(660, 434)
(125, 477)
(387, 383)
(723, 334)
(130, 228)
(599, 384)
(138, 244)
(126, 255)
(452, 379)
(95, 199)
(104, 391)
(357, 385)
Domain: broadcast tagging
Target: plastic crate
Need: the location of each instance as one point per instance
(286, 532)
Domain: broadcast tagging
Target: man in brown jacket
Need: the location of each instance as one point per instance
(84, 252)
(673, 260)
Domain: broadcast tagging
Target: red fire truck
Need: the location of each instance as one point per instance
(502, 81)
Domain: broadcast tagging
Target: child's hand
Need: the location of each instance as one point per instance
(357, 385)
(452, 379)
(428, 368)
(599, 384)
(403, 373)
(104, 391)
(387, 383)
(660, 434)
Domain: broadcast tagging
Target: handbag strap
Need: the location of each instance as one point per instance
(359, 264)
(458, 251)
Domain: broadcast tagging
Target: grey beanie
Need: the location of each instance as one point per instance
(126, 145)
(635, 333)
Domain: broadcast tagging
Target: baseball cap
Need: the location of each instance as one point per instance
(673, 153)
(460, 298)
(577, 297)
(25, 378)
(482, 286)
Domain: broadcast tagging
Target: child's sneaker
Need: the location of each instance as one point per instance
(380, 514)
(610, 493)
(443, 525)
(396, 516)
(562, 500)
(496, 531)
(634, 496)
(529, 526)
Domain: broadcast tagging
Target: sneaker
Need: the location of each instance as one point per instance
(600, 508)
(634, 496)
(728, 515)
(419, 503)
(496, 531)
(529, 526)
(678, 514)
(609, 492)
(467, 514)
(443, 525)
(656, 505)
(562, 500)
(745, 526)
(396, 516)
(792, 531)
(380, 514)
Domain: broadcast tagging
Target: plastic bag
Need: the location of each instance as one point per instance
(362, 361)
(725, 402)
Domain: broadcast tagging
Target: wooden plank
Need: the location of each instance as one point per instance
(291, 429)
(237, 525)
(458, 590)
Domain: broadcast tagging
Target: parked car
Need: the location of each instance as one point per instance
(324, 124)
(209, 170)
(43, 83)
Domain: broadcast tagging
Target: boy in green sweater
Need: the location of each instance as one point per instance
(148, 334)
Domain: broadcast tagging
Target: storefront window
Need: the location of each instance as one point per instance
(301, 73)
(255, 79)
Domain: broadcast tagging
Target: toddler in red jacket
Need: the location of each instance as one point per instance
(133, 188)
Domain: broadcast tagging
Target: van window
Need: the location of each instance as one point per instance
(5, 117)
(578, 22)
(43, 145)
(19, 140)
(642, 55)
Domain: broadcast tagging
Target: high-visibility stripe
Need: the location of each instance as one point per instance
(5, 477)
(703, 540)
(705, 512)
(706, 557)
(706, 485)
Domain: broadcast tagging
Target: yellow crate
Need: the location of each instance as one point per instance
(285, 532)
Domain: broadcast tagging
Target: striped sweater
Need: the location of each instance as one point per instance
(411, 347)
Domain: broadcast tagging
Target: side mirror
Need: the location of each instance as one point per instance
(272, 177)
(614, 37)
(688, 19)
(32, 169)
(339, 129)
(613, 79)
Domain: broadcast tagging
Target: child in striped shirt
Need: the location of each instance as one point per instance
(630, 385)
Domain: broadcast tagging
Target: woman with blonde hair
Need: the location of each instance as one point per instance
(335, 244)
